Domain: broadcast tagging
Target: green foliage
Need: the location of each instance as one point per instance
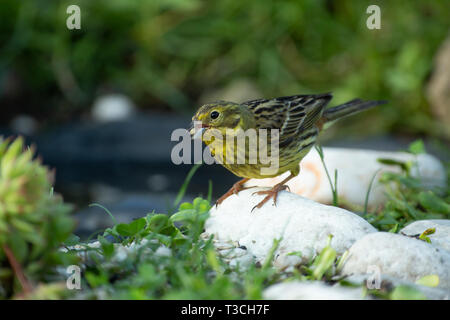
(408, 198)
(161, 260)
(171, 52)
(324, 262)
(324, 266)
(34, 222)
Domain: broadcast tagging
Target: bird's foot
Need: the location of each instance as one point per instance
(272, 193)
(235, 189)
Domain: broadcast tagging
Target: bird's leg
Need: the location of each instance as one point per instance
(273, 193)
(238, 186)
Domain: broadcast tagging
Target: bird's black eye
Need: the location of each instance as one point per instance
(215, 114)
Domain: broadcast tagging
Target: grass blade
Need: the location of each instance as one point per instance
(183, 188)
(106, 210)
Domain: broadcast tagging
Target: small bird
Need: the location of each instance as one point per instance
(298, 119)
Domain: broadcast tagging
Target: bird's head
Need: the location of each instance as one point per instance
(221, 115)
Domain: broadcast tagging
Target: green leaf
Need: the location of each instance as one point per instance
(394, 229)
(158, 222)
(432, 202)
(22, 225)
(417, 147)
(35, 238)
(131, 229)
(96, 280)
(138, 225)
(388, 219)
(213, 261)
(63, 226)
(423, 235)
(392, 162)
(18, 246)
(404, 292)
(107, 247)
(165, 240)
(124, 229)
(295, 253)
(9, 157)
(5, 273)
(201, 205)
(324, 261)
(431, 280)
(185, 215)
(72, 240)
(185, 206)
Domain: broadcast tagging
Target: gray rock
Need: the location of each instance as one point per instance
(387, 281)
(441, 236)
(112, 107)
(297, 290)
(303, 225)
(398, 256)
(24, 124)
(356, 168)
(232, 253)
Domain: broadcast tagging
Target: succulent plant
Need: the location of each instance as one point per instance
(34, 221)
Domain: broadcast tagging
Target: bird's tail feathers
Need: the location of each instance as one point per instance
(349, 108)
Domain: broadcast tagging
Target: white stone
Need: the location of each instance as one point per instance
(356, 169)
(24, 124)
(387, 281)
(441, 236)
(301, 290)
(237, 257)
(121, 253)
(163, 251)
(112, 107)
(303, 225)
(398, 256)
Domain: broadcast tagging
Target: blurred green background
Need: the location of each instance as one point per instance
(172, 55)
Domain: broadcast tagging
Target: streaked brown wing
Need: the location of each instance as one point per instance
(291, 114)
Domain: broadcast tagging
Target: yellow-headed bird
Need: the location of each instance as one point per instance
(297, 119)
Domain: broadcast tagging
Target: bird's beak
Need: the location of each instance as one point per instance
(197, 131)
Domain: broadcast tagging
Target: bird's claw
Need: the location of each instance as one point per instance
(235, 189)
(272, 193)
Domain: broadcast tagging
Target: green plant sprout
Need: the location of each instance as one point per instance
(366, 201)
(332, 185)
